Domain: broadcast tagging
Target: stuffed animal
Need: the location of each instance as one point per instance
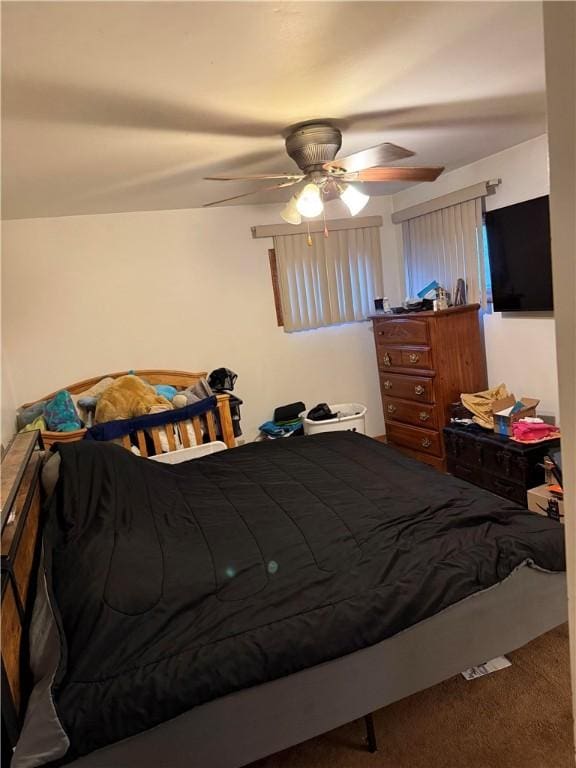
(126, 398)
(179, 401)
(197, 392)
(166, 390)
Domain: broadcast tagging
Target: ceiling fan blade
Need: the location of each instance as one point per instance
(257, 177)
(369, 158)
(252, 192)
(422, 173)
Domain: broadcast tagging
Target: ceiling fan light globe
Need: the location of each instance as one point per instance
(290, 213)
(309, 203)
(354, 199)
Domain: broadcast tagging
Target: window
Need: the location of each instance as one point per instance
(332, 281)
(445, 245)
(444, 239)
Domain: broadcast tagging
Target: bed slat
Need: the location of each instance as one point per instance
(155, 431)
(197, 429)
(142, 442)
(211, 425)
(184, 436)
(126, 442)
(225, 418)
(169, 429)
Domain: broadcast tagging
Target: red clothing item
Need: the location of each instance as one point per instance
(525, 430)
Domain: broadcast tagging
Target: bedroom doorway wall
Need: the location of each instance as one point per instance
(560, 48)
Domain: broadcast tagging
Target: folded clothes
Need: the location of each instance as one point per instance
(273, 429)
(529, 431)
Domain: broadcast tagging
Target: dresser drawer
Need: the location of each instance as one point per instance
(417, 414)
(399, 331)
(407, 387)
(404, 357)
(422, 440)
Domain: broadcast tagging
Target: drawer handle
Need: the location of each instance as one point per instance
(414, 358)
(387, 359)
(426, 442)
(419, 389)
(423, 416)
(391, 408)
(387, 384)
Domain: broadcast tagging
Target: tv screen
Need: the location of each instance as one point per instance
(520, 257)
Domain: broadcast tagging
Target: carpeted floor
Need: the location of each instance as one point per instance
(519, 717)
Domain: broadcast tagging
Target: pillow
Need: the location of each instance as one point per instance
(60, 413)
(50, 473)
(38, 423)
(28, 415)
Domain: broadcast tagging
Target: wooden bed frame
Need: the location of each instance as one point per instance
(180, 380)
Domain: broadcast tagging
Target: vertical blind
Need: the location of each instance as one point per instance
(333, 281)
(444, 245)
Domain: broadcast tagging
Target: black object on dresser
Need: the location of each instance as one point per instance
(495, 462)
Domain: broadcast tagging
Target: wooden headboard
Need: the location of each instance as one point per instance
(210, 423)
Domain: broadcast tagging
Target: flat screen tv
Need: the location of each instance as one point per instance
(520, 257)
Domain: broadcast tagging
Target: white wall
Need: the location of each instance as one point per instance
(8, 402)
(189, 290)
(520, 347)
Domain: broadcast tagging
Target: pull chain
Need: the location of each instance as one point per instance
(325, 225)
(309, 238)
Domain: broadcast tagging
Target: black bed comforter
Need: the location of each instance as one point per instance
(174, 585)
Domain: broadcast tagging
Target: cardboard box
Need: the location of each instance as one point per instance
(538, 500)
(504, 416)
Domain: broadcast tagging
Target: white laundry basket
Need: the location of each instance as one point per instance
(351, 417)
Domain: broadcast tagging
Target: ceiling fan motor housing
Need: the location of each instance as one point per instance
(312, 145)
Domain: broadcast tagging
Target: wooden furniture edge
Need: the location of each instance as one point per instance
(426, 312)
(21, 502)
(14, 463)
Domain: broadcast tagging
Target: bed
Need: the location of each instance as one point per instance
(335, 576)
(164, 435)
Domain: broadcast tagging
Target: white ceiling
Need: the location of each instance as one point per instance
(125, 106)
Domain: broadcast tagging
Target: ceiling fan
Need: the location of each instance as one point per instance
(313, 146)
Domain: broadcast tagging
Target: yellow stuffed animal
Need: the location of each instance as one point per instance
(127, 397)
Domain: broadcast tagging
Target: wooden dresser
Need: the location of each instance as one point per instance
(425, 361)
